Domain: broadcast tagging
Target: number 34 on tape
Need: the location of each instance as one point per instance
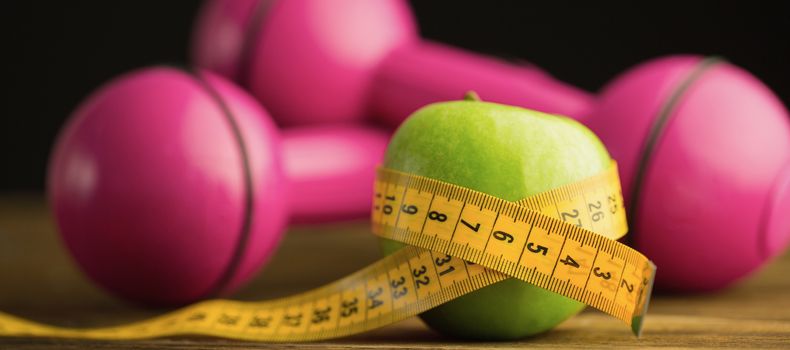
(460, 241)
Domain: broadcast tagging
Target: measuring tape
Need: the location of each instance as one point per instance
(460, 240)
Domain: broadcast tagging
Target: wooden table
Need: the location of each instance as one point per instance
(39, 281)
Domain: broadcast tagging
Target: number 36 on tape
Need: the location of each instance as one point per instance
(460, 240)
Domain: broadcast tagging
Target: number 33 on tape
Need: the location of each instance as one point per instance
(460, 240)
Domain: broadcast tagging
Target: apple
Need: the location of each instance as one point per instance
(510, 153)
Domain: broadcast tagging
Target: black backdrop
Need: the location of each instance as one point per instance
(53, 53)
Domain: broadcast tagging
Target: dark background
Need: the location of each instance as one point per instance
(53, 53)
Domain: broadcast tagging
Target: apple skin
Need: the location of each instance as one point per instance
(510, 153)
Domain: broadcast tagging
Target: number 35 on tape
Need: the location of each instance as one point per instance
(460, 240)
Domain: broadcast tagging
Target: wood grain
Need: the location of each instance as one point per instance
(39, 281)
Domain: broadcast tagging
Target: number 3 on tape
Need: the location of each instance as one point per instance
(461, 240)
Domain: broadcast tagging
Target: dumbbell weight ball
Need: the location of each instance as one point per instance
(170, 186)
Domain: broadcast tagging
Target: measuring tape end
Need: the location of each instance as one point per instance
(647, 292)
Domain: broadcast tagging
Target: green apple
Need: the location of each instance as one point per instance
(510, 153)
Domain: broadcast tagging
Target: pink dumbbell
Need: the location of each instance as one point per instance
(703, 146)
(170, 186)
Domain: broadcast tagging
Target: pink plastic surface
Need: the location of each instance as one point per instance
(421, 73)
(313, 60)
(147, 183)
(626, 110)
(147, 186)
(220, 38)
(351, 59)
(331, 170)
(713, 181)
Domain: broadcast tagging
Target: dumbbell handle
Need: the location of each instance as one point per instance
(330, 171)
(422, 72)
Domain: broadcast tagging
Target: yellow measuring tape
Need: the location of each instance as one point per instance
(461, 240)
